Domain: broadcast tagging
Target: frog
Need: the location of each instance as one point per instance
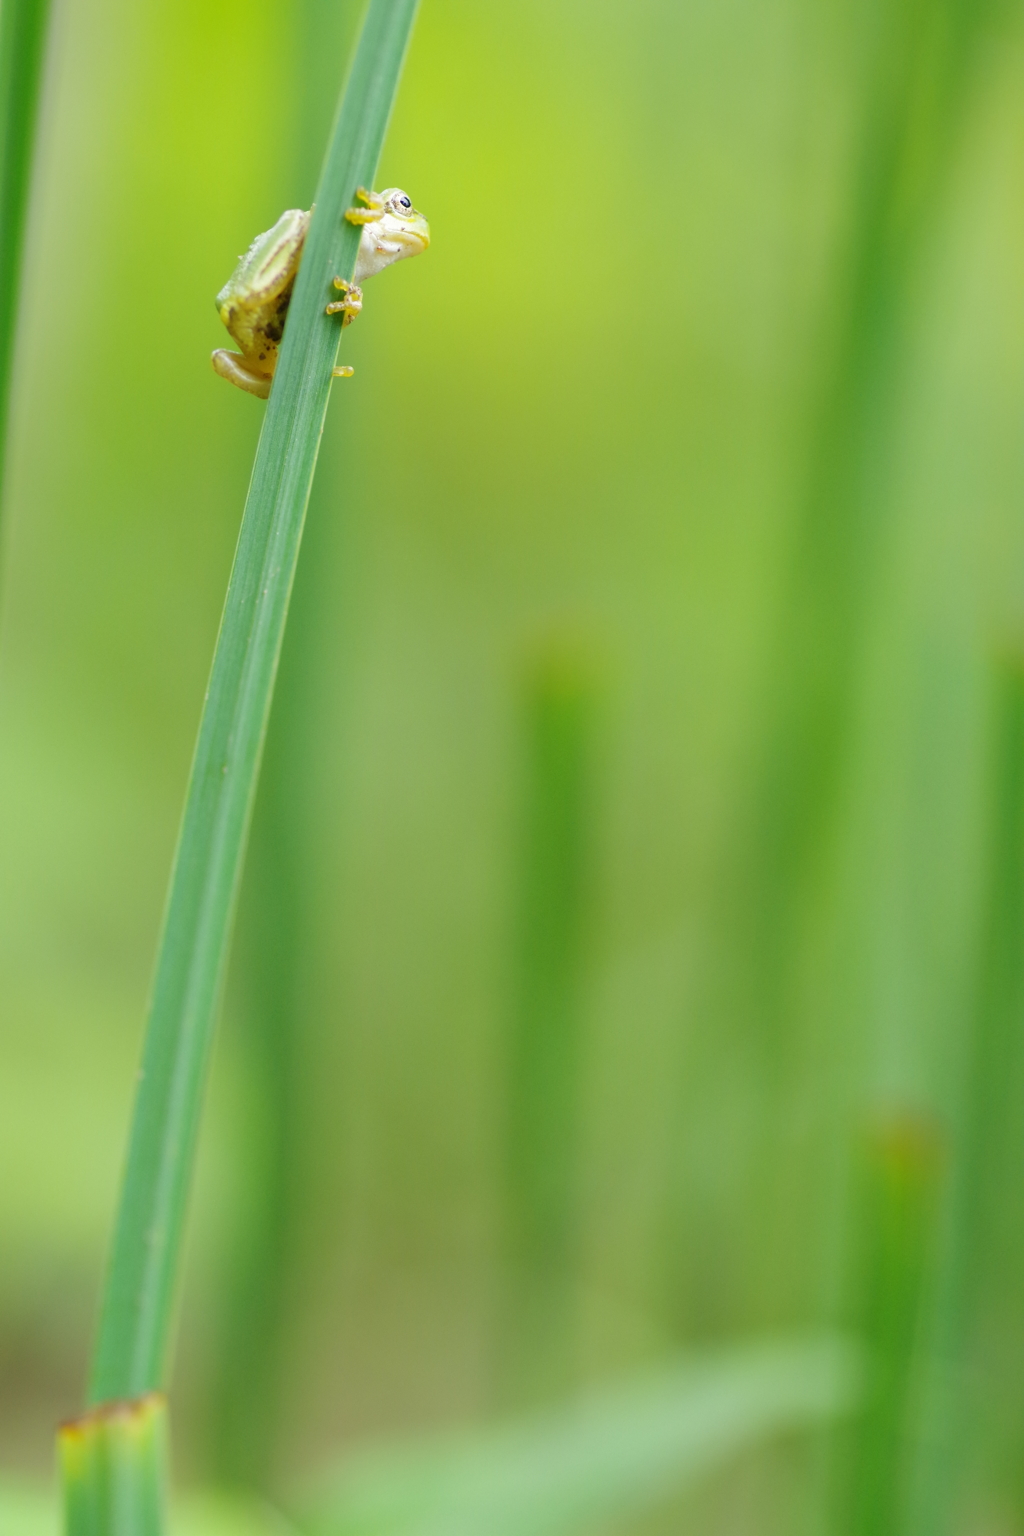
(253, 303)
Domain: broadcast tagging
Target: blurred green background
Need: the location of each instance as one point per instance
(636, 842)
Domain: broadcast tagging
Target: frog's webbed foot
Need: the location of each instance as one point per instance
(232, 366)
(344, 372)
(349, 306)
(373, 210)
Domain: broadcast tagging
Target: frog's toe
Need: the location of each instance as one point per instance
(231, 366)
(368, 213)
(350, 305)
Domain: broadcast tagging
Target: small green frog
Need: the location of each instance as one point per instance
(253, 303)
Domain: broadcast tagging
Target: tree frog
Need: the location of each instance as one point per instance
(253, 303)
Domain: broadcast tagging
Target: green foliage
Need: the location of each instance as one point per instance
(655, 448)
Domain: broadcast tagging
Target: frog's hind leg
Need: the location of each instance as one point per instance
(231, 366)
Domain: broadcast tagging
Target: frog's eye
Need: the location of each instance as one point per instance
(403, 201)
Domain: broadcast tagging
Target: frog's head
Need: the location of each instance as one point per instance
(402, 224)
(395, 231)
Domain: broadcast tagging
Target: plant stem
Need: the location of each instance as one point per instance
(114, 1465)
(247, 1387)
(274, 911)
(544, 1052)
(984, 1177)
(903, 1168)
(22, 39)
(912, 110)
(132, 1346)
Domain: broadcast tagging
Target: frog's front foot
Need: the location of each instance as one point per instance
(374, 208)
(349, 306)
(232, 366)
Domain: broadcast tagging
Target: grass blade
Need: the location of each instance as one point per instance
(610, 1456)
(22, 38)
(913, 116)
(271, 948)
(903, 1168)
(984, 1181)
(114, 1462)
(544, 1048)
(914, 112)
(132, 1344)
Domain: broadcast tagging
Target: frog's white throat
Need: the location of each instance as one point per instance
(388, 240)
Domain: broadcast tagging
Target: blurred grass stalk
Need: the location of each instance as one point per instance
(920, 59)
(22, 40)
(911, 1437)
(917, 73)
(984, 1190)
(902, 1170)
(555, 854)
(131, 1351)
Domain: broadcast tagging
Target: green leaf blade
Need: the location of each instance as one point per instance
(612, 1455)
(135, 1323)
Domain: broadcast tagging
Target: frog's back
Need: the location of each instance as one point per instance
(268, 266)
